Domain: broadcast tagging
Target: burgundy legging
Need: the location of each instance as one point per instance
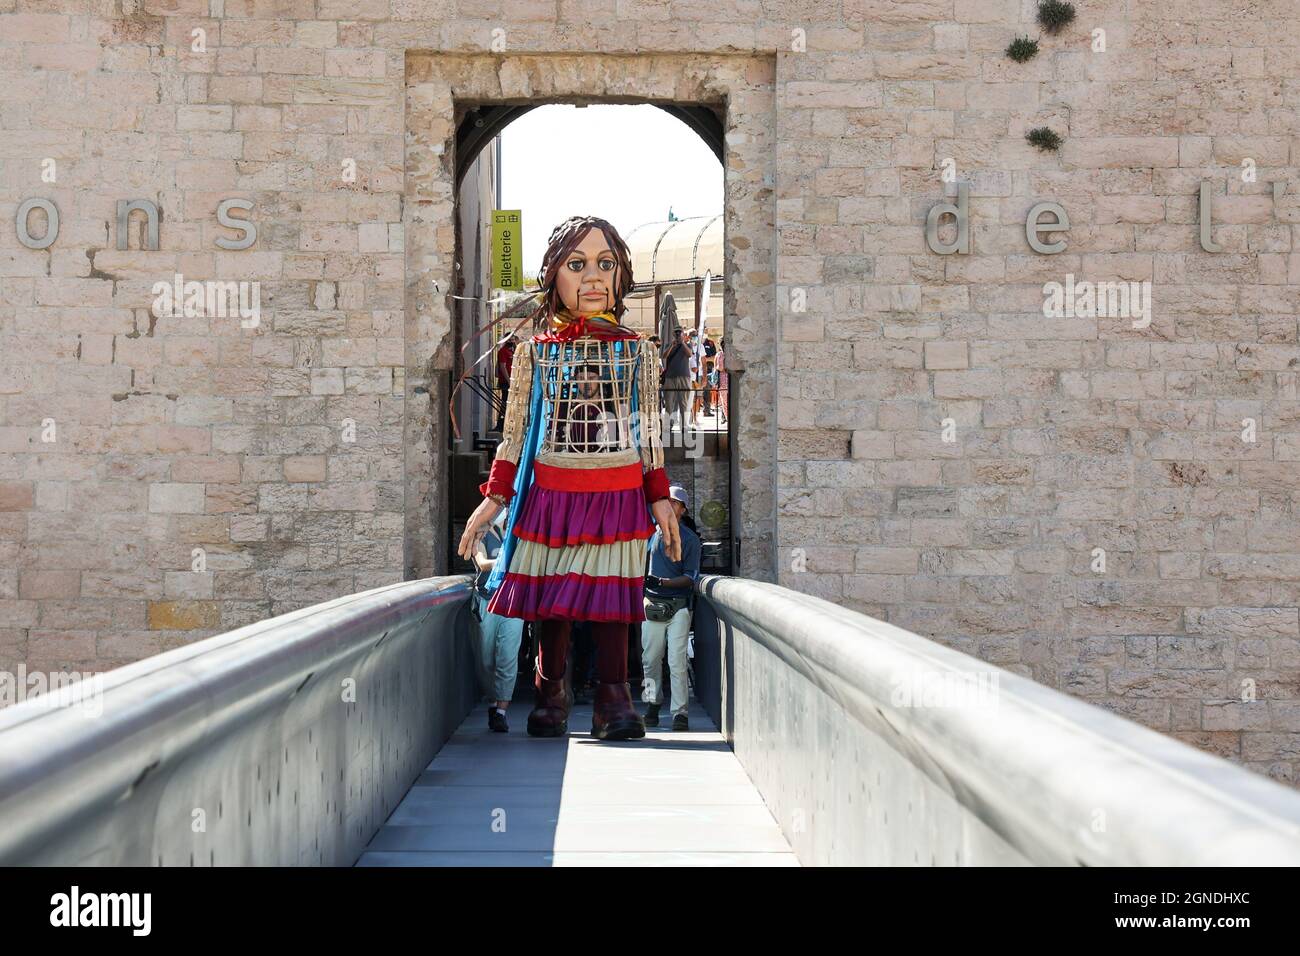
(611, 639)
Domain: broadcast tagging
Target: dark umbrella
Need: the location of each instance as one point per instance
(667, 321)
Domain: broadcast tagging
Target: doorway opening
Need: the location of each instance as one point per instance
(656, 172)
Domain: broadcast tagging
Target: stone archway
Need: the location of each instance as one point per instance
(481, 123)
(440, 88)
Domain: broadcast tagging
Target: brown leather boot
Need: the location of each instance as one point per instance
(613, 717)
(550, 714)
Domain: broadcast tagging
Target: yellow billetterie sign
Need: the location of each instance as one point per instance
(507, 249)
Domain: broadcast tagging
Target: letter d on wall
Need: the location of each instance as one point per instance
(960, 212)
(247, 226)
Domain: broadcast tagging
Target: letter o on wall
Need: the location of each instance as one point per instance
(51, 230)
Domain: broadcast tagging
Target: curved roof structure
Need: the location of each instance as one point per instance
(678, 251)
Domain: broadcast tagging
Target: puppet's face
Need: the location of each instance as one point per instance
(586, 278)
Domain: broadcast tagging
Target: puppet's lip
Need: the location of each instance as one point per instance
(593, 295)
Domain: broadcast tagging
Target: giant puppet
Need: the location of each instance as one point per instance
(581, 469)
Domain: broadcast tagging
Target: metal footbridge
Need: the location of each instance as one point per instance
(351, 733)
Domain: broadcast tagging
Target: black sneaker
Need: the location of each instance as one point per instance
(497, 721)
(680, 722)
(652, 715)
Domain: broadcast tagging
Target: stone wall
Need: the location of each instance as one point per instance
(134, 449)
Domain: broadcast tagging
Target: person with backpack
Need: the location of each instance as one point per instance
(669, 600)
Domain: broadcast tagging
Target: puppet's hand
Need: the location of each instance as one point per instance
(668, 530)
(477, 526)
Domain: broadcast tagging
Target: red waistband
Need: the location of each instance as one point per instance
(615, 478)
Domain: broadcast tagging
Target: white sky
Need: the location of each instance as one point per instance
(655, 161)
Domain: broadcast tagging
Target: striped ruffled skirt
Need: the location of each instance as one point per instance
(579, 554)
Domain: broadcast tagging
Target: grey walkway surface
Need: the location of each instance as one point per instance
(670, 799)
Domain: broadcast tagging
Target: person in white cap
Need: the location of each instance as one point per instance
(669, 602)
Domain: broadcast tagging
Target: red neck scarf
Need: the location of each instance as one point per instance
(566, 325)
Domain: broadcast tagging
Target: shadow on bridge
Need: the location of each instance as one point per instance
(488, 799)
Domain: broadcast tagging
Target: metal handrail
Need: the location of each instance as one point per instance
(206, 729)
(1057, 780)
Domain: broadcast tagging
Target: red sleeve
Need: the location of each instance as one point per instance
(501, 479)
(656, 484)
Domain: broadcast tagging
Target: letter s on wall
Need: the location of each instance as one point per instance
(247, 226)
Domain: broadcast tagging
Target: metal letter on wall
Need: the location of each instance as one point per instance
(248, 227)
(1033, 227)
(51, 229)
(961, 212)
(124, 210)
(1207, 243)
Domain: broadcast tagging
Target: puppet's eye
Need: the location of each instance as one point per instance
(607, 265)
(575, 265)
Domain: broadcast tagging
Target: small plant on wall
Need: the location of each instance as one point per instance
(1022, 49)
(1044, 138)
(1054, 15)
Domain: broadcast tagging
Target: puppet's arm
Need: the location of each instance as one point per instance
(501, 479)
(652, 448)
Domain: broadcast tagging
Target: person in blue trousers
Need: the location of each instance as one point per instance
(499, 637)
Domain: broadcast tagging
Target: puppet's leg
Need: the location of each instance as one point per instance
(550, 713)
(613, 717)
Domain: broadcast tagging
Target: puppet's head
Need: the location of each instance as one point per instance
(587, 268)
